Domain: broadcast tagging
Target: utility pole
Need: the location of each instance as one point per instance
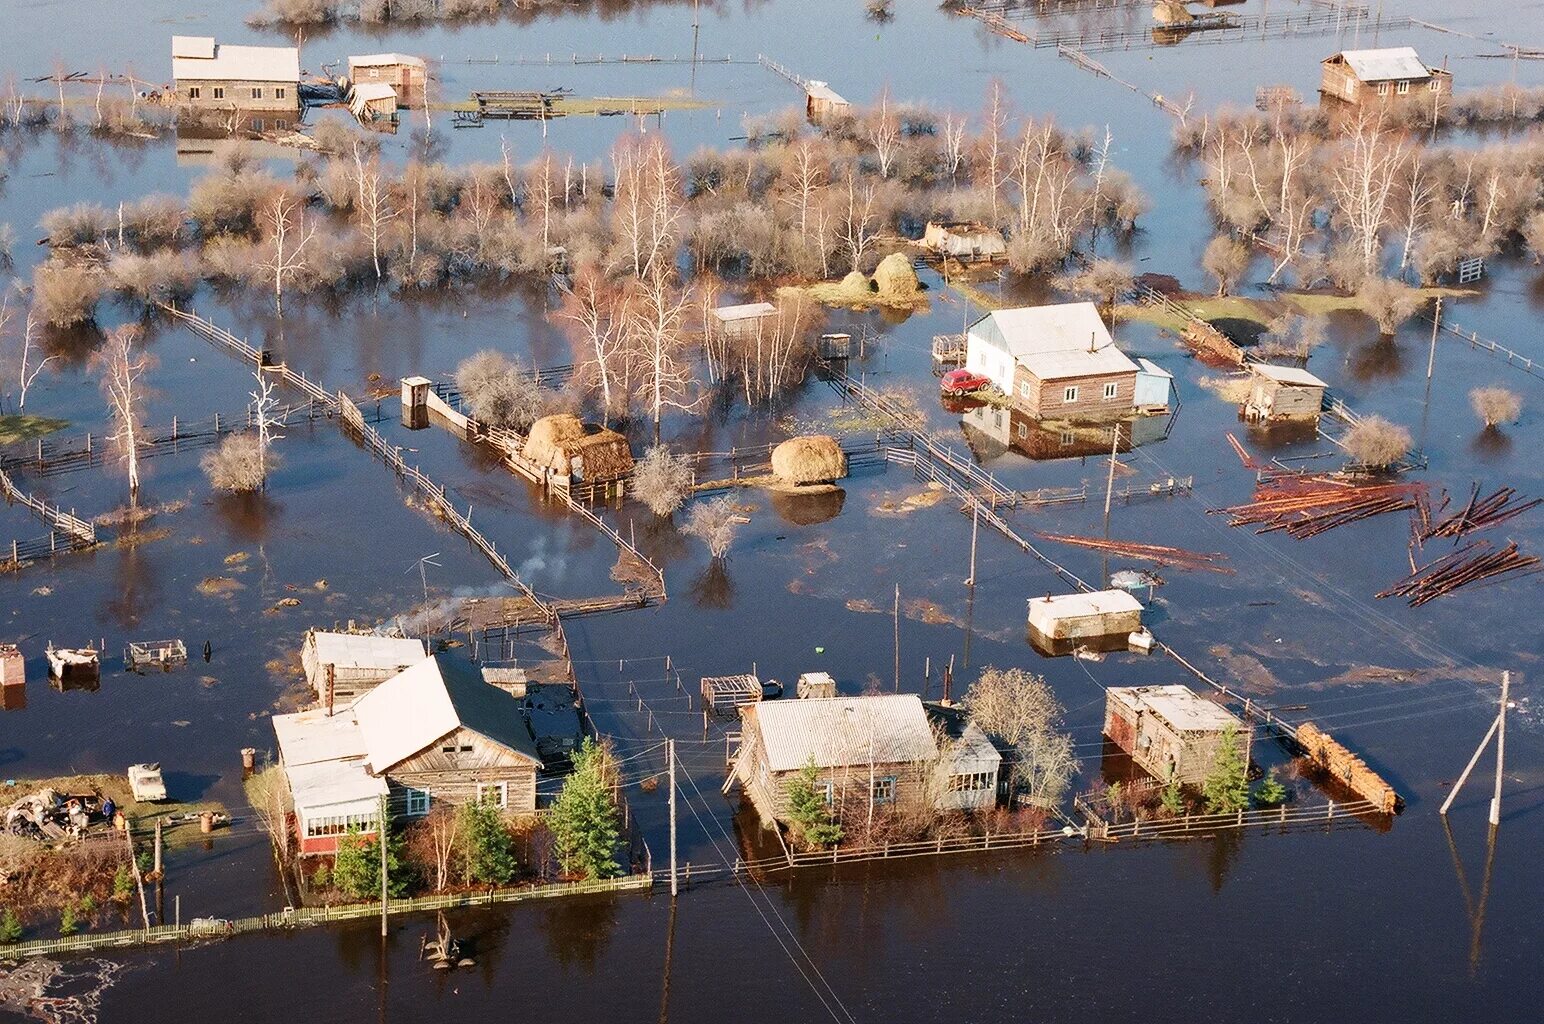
(1436, 325)
(380, 838)
(1109, 486)
(975, 524)
(1495, 800)
(670, 753)
(897, 616)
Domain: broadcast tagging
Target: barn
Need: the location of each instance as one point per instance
(1169, 729)
(1393, 76)
(1102, 613)
(742, 321)
(964, 240)
(407, 76)
(1280, 393)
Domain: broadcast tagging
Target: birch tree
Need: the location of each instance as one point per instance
(857, 219)
(284, 220)
(884, 133)
(372, 203)
(1362, 184)
(122, 367)
(29, 373)
(596, 313)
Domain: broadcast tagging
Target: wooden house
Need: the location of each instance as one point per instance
(815, 685)
(407, 76)
(822, 104)
(342, 667)
(331, 787)
(964, 241)
(1169, 729)
(1282, 393)
(1080, 616)
(372, 101)
(1057, 362)
(262, 83)
(743, 321)
(883, 749)
(13, 667)
(1394, 76)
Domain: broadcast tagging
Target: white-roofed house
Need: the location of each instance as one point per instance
(1083, 616)
(742, 321)
(1055, 362)
(331, 787)
(246, 79)
(341, 667)
(1170, 729)
(1282, 393)
(1393, 75)
(407, 75)
(884, 747)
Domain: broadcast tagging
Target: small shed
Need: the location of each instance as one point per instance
(1169, 729)
(822, 104)
(743, 321)
(373, 101)
(407, 76)
(1282, 393)
(1155, 387)
(571, 451)
(964, 240)
(13, 667)
(815, 684)
(724, 696)
(346, 666)
(1102, 613)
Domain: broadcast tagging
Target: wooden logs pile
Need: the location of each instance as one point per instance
(1307, 505)
(1478, 514)
(1471, 563)
(1333, 756)
(1177, 557)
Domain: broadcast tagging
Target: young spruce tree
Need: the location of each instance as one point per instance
(584, 820)
(1227, 785)
(808, 811)
(490, 849)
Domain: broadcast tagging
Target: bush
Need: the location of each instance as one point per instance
(123, 884)
(10, 927)
(490, 849)
(1376, 442)
(321, 878)
(1270, 792)
(584, 822)
(1225, 259)
(356, 868)
(69, 923)
(714, 522)
(1104, 282)
(662, 480)
(1389, 302)
(498, 393)
(64, 295)
(159, 277)
(228, 201)
(155, 221)
(238, 466)
(81, 224)
(1496, 405)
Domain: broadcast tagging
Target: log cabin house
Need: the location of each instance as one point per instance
(916, 762)
(1059, 362)
(342, 667)
(260, 84)
(433, 732)
(1170, 729)
(1394, 76)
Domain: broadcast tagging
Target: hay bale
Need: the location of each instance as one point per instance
(855, 282)
(813, 459)
(894, 277)
(547, 445)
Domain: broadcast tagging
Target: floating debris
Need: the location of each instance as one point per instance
(1478, 514)
(1309, 504)
(1177, 557)
(1469, 564)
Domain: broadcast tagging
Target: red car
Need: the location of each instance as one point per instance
(963, 382)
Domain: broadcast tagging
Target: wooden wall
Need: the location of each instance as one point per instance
(453, 775)
(1047, 399)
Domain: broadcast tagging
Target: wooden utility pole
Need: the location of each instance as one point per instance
(380, 838)
(975, 524)
(1495, 800)
(670, 754)
(1109, 486)
(1436, 325)
(897, 616)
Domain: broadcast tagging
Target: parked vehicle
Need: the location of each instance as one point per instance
(962, 382)
(146, 783)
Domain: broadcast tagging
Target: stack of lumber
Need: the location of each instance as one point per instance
(1307, 505)
(1177, 557)
(1478, 514)
(1471, 563)
(1333, 756)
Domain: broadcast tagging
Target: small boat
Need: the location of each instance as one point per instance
(73, 662)
(146, 783)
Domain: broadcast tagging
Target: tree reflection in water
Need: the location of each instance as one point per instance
(714, 588)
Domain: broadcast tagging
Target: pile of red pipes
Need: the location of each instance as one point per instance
(1476, 561)
(1307, 505)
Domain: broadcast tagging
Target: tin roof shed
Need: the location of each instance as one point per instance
(837, 731)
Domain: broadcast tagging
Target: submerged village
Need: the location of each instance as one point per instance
(494, 488)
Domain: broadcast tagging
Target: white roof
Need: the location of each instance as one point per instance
(749, 311)
(1152, 369)
(1180, 706)
(822, 91)
(361, 650)
(371, 60)
(366, 91)
(223, 62)
(312, 737)
(835, 731)
(405, 714)
(1072, 606)
(1054, 342)
(1287, 375)
(1385, 65)
(316, 787)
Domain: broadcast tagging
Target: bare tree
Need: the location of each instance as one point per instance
(1225, 259)
(1389, 302)
(284, 221)
(265, 403)
(1496, 405)
(372, 204)
(1376, 442)
(29, 373)
(662, 480)
(1362, 183)
(122, 369)
(1019, 709)
(858, 229)
(884, 133)
(596, 312)
(954, 147)
(714, 522)
(498, 393)
(443, 824)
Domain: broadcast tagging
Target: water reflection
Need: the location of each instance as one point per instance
(137, 586)
(248, 517)
(713, 589)
(1375, 361)
(809, 509)
(578, 931)
(1491, 445)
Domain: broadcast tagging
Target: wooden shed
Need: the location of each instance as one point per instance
(815, 684)
(407, 76)
(373, 101)
(964, 241)
(1103, 613)
(1393, 76)
(13, 667)
(1282, 393)
(342, 667)
(1169, 729)
(571, 451)
(742, 321)
(822, 104)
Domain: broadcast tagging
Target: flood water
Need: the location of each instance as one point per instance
(1333, 925)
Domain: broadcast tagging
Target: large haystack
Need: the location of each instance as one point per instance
(814, 459)
(562, 443)
(547, 443)
(601, 456)
(895, 278)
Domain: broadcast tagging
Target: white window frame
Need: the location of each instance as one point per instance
(1383, 88)
(1068, 438)
(1403, 86)
(1069, 394)
(1023, 430)
(1023, 389)
(502, 788)
(257, 92)
(1434, 85)
(828, 792)
(1111, 390)
(415, 802)
(219, 92)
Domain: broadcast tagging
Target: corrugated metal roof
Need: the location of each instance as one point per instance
(374, 91)
(1287, 375)
(356, 650)
(228, 63)
(749, 311)
(330, 786)
(430, 700)
(1053, 342)
(311, 737)
(1180, 706)
(1071, 606)
(835, 731)
(375, 60)
(1389, 64)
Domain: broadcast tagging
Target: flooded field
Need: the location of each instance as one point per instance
(1335, 923)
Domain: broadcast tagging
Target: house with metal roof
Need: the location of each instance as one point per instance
(1278, 393)
(1058, 622)
(246, 79)
(1170, 730)
(433, 732)
(883, 751)
(408, 76)
(1059, 362)
(342, 667)
(1384, 77)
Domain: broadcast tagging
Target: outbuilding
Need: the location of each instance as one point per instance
(964, 241)
(1392, 76)
(822, 104)
(407, 76)
(373, 101)
(742, 321)
(815, 684)
(569, 451)
(1102, 613)
(341, 667)
(1278, 393)
(1170, 730)
(248, 79)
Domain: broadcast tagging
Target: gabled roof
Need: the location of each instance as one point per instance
(366, 650)
(200, 58)
(748, 311)
(835, 731)
(427, 702)
(969, 746)
(312, 737)
(822, 91)
(1287, 375)
(1180, 706)
(371, 60)
(1395, 62)
(1054, 342)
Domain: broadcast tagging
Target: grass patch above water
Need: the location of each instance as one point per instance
(26, 428)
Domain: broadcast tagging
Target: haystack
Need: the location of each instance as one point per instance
(895, 278)
(600, 456)
(547, 443)
(855, 282)
(813, 459)
(565, 445)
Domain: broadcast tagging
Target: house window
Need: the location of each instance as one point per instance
(1383, 88)
(972, 782)
(194, 91)
(1023, 429)
(495, 793)
(884, 789)
(828, 792)
(1070, 395)
(449, 748)
(338, 824)
(1404, 87)
(417, 802)
(278, 92)
(1110, 389)
(466, 748)
(257, 93)
(257, 124)
(219, 92)
(1068, 438)
(1023, 389)
(1434, 85)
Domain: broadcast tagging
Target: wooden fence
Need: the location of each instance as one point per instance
(80, 532)
(920, 848)
(246, 352)
(1516, 360)
(1200, 824)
